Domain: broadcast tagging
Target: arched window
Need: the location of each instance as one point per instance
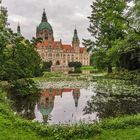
(68, 57)
(57, 63)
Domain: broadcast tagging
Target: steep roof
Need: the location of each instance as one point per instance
(68, 48)
(56, 44)
(82, 50)
(46, 44)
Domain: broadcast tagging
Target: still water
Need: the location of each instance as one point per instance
(55, 106)
(106, 98)
(63, 106)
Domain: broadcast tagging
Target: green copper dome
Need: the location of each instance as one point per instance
(45, 25)
(45, 111)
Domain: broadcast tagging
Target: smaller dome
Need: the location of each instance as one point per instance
(45, 25)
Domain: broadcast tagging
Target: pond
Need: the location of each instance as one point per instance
(67, 104)
(55, 106)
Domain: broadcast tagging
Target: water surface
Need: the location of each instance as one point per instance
(55, 106)
(102, 99)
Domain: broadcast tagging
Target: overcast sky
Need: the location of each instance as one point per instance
(63, 15)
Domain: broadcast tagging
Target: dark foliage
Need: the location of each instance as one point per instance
(75, 64)
(47, 65)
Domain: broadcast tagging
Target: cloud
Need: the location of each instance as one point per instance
(62, 14)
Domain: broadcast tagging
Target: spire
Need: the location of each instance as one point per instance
(18, 29)
(76, 96)
(61, 41)
(44, 17)
(75, 36)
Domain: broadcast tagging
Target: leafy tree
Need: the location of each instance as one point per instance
(18, 57)
(3, 17)
(20, 60)
(100, 59)
(130, 55)
(106, 25)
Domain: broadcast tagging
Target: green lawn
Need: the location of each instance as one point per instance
(88, 68)
(119, 134)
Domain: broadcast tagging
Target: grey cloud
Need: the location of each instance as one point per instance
(62, 14)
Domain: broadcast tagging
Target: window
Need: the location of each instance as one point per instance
(50, 55)
(49, 47)
(46, 36)
(57, 55)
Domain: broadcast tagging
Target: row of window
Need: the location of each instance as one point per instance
(58, 55)
(62, 55)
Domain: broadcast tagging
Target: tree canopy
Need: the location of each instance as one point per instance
(115, 28)
(18, 57)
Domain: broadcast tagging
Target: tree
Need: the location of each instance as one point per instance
(18, 57)
(130, 55)
(106, 25)
(20, 60)
(3, 17)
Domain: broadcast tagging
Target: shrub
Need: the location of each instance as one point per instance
(47, 65)
(75, 64)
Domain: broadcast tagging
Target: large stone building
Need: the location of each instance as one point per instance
(56, 52)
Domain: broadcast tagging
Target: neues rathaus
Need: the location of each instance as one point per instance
(55, 51)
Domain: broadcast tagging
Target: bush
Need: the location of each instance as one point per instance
(75, 64)
(47, 65)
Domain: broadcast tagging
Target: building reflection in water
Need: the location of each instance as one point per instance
(76, 96)
(47, 99)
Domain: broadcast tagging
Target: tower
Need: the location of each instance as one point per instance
(76, 41)
(18, 29)
(44, 17)
(44, 30)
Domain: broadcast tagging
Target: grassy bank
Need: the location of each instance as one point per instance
(14, 127)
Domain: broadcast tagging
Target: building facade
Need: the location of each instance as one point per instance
(55, 51)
